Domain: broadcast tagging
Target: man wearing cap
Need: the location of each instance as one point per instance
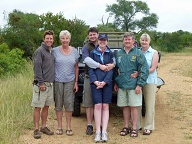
(89, 62)
(101, 87)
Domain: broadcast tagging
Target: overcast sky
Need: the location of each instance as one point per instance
(173, 15)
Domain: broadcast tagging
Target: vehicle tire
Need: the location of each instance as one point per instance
(143, 107)
(77, 107)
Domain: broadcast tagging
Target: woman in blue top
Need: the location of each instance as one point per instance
(149, 90)
(101, 87)
(66, 80)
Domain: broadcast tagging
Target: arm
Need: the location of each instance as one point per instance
(90, 62)
(91, 72)
(154, 62)
(109, 75)
(87, 60)
(143, 70)
(110, 66)
(38, 60)
(76, 77)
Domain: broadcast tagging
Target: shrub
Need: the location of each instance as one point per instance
(11, 61)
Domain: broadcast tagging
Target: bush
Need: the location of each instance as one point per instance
(11, 61)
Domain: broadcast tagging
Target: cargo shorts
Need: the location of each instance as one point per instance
(43, 98)
(128, 98)
(87, 94)
(64, 96)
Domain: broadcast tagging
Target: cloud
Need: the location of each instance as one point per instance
(173, 15)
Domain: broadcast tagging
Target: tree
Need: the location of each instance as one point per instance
(25, 30)
(126, 15)
(22, 31)
(57, 23)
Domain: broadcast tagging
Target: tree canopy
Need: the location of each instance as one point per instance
(127, 15)
(25, 30)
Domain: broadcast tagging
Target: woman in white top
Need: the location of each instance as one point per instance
(149, 90)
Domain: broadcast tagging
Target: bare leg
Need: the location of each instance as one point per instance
(59, 118)
(105, 117)
(68, 120)
(44, 115)
(97, 116)
(134, 115)
(36, 117)
(89, 114)
(126, 116)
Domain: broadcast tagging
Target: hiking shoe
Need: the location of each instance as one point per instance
(46, 131)
(36, 134)
(97, 137)
(104, 137)
(89, 130)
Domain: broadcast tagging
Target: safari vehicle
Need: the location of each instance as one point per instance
(115, 44)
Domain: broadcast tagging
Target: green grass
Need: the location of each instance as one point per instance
(15, 105)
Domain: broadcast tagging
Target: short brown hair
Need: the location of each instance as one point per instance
(129, 34)
(48, 32)
(93, 29)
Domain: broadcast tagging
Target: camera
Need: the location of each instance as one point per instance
(35, 82)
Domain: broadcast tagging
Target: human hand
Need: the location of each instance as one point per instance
(103, 67)
(109, 66)
(102, 84)
(134, 74)
(115, 87)
(76, 88)
(137, 89)
(42, 87)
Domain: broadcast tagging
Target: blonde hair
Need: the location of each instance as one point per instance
(65, 32)
(145, 36)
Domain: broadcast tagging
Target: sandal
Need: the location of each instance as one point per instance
(134, 133)
(147, 132)
(125, 131)
(69, 132)
(59, 131)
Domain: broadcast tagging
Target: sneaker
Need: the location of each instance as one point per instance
(46, 131)
(89, 130)
(104, 137)
(36, 134)
(97, 137)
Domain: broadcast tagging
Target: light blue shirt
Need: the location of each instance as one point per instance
(152, 78)
(65, 65)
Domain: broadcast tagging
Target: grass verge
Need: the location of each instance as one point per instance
(15, 105)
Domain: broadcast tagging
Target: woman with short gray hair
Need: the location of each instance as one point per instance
(66, 80)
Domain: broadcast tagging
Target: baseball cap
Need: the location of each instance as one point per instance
(103, 36)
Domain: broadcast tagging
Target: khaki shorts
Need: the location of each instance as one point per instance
(64, 96)
(128, 98)
(43, 98)
(87, 95)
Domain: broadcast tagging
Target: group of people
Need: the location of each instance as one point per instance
(131, 72)
(55, 82)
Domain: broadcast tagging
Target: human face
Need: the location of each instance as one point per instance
(65, 40)
(128, 42)
(144, 43)
(93, 36)
(48, 40)
(102, 43)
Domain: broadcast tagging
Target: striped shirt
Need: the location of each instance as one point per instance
(65, 65)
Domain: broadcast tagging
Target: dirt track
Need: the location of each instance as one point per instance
(173, 118)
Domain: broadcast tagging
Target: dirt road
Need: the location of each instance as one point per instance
(173, 118)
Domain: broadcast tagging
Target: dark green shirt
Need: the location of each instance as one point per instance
(127, 63)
